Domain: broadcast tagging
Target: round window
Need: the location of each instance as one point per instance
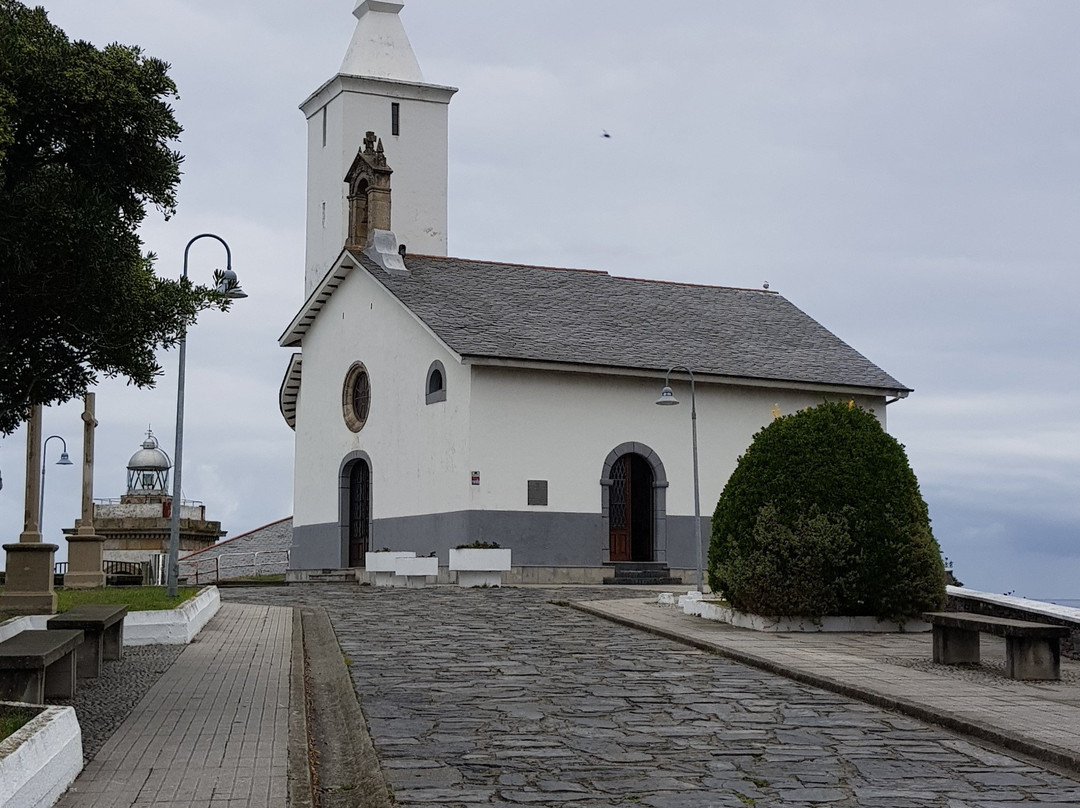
(356, 397)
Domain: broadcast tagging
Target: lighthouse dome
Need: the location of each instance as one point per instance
(148, 469)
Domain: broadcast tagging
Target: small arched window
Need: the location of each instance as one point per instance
(436, 383)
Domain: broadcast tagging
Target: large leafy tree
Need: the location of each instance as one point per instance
(85, 147)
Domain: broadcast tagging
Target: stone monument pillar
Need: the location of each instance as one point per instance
(86, 548)
(29, 587)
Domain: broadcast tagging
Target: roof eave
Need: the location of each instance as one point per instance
(899, 391)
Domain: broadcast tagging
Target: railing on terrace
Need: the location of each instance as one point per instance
(187, 503)
(234, 565)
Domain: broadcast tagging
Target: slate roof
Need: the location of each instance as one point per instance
(509, 311)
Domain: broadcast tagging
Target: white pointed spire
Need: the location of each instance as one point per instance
(380, 47)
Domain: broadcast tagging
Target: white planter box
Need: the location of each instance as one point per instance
(40, 761)
(416, 571)
(479, 567)
(715, 610)
(17, 625)
(381, 565)
(172, 626)
(177, 626)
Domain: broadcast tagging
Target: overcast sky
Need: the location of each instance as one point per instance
(906, 173)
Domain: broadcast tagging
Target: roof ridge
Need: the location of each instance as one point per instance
(695, 285)
(508, 264)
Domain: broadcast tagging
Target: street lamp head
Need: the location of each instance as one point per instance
(228, 285)
(667, 398)
(64, 460)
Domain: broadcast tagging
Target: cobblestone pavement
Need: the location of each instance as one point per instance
(497, 697)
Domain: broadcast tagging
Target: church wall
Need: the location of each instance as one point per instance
(417, 450)
(418, 156)
(560, 427)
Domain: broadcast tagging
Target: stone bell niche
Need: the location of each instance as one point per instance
(136, 526)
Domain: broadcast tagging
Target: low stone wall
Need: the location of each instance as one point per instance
(962, 599)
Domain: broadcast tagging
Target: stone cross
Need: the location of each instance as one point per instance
(86, 548)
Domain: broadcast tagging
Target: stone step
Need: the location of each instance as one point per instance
(641, 580)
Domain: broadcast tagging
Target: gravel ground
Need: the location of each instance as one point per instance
(987, 672)
(103, 703)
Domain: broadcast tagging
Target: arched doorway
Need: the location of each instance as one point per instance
(634, 489)
(355, 509)
(630, 523)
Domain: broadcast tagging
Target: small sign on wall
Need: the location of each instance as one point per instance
(476, 478)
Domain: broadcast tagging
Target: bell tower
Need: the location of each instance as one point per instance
(379, 88)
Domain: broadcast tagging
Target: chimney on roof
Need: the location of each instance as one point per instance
(369, 193)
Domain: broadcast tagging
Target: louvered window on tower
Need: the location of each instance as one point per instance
(395, 118)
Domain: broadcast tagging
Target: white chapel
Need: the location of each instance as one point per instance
(439, 401)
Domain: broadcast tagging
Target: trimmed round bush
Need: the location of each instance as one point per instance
(823, 516)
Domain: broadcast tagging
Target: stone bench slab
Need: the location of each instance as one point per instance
(37, 664)
(103, 625)
(1032, 650)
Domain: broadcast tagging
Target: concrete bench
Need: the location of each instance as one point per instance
(103, 626)
(1032, 650)
(38, 664)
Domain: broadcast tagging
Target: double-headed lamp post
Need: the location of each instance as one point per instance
(63, 461)
(228, 286)
(667, 399)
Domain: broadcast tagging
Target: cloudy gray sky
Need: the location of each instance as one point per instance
(907, 173)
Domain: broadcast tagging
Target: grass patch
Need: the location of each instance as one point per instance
(12, 719)
(136, 598)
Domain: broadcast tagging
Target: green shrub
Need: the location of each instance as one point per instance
(823, 515)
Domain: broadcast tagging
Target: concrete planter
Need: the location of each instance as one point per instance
(479, 567)
(17, 625)
(165, 627)
(416, 571)
(173, 626)
(716, 610)
(381, 566)
(40, 761)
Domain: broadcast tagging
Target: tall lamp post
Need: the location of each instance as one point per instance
(228, 286)
(63, 461)
(667, 399)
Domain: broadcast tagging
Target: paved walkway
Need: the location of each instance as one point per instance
(213, 731)
(499, 697)
(1039, 718)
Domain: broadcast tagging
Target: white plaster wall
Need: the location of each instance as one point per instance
(418, 451)
(560, 427)
(418, 157)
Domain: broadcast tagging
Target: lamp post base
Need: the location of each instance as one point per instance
(29, 585)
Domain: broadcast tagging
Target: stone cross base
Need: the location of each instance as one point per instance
(85, 562)
(29, 587)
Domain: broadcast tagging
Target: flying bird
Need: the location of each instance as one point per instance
(605, 134)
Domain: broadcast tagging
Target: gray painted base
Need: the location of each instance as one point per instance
(537, 538)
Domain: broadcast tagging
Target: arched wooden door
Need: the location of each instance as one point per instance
(630, 511)
(359, 512)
